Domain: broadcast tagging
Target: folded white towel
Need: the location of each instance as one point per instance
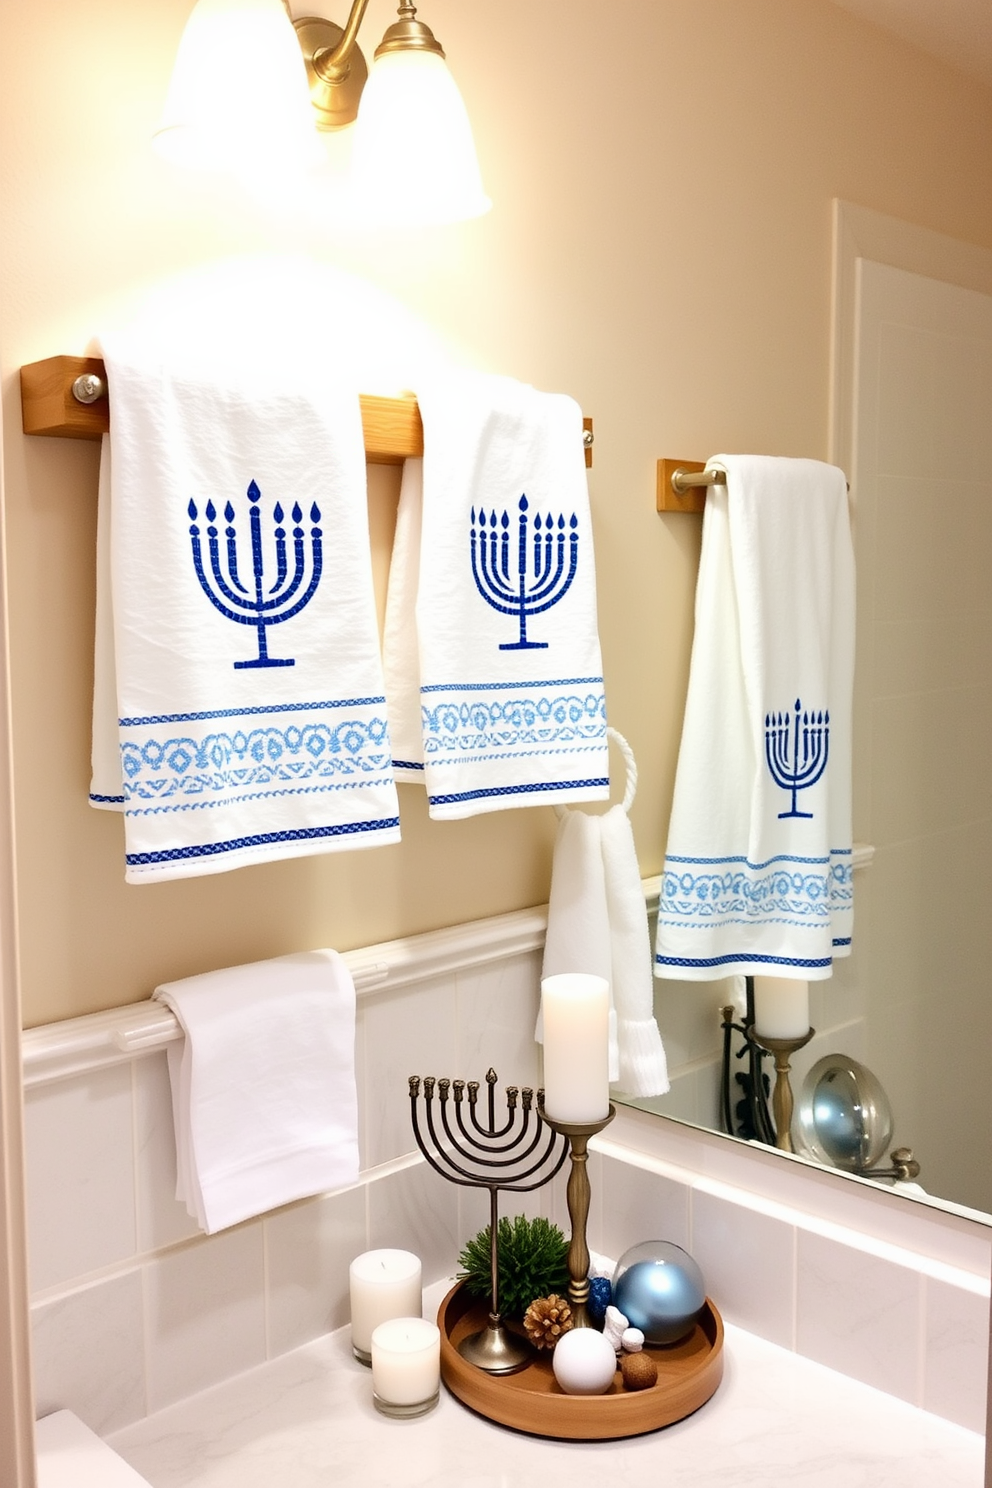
(263, 1085)
(757, 876)
(499, 567)
(597, 923)
(242, 658)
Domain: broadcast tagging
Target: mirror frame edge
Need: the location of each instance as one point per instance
(18, 1466)
(860, 232)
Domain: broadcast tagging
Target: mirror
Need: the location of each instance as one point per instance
(914, 401)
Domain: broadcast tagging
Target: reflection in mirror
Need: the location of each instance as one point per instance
(844, 1119)
(910, 1003)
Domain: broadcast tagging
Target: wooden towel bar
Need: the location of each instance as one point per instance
(392, 426)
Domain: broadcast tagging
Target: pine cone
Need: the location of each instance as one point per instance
(546, 1319)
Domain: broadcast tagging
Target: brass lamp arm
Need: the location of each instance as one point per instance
(336, 69)
(333, 63)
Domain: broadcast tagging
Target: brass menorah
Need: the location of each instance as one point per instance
(517, 1156)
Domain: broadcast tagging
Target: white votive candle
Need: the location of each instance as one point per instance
(384, 1284)
(576, 1010)
(781, 1008)
(406, 1366)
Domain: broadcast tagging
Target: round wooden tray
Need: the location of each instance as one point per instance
(532, 1400)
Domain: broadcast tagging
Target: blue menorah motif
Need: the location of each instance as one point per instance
(506, 588)
(256, 605)
(798, 764)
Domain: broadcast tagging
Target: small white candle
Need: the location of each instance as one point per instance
(576, 1047)
(781, 1008)
(384, 1284)
(406, 1365)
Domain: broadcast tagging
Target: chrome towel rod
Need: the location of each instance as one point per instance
(685, 480)
(682, 484)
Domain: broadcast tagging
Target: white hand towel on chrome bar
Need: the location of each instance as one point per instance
(263, 1085)
(757, 874)
(511, 698)
(250, 706)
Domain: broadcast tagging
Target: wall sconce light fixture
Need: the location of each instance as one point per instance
(240, 89)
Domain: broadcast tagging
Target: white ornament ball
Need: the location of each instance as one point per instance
(584, 1362)
(632, 1340)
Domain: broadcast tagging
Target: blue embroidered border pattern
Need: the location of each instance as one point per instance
(259, 841)
(566, 713)
(704, 893)
(173, 767)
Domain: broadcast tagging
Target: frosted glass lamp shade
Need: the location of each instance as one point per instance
(239, 97)
(414, 157)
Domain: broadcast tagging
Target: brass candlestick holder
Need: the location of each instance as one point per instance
(578, 1195)
(783, 1102)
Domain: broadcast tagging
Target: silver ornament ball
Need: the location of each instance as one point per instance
(659, 1289)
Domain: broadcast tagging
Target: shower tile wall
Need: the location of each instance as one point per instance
(133, 1308)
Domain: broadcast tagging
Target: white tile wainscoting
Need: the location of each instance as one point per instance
(133, 1309)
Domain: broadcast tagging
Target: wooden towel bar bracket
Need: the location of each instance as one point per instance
(49, 405)
(681, 485)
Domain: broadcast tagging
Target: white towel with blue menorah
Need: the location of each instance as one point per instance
(491, 609)
(237, 644)
(757, 875)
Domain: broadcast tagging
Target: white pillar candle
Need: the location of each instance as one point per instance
(576, 1047)
(406, 1365)
(781, 1008)
(384, 1284)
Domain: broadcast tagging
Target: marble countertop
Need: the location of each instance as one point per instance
(307, 1419)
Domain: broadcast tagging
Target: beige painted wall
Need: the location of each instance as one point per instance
(659, 248)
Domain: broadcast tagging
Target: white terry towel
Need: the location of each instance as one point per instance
(757, 875)
(597, 923)
(239, 706)
(263, 1085)
(492, 605)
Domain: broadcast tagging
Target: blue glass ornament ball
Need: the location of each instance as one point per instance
(659, 1288)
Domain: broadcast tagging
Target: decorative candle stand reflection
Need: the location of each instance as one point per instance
(783, 1102)
(517, 1157)
(578, 1195)
(749, 1118)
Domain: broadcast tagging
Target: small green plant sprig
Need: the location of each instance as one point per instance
(530, 1259)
